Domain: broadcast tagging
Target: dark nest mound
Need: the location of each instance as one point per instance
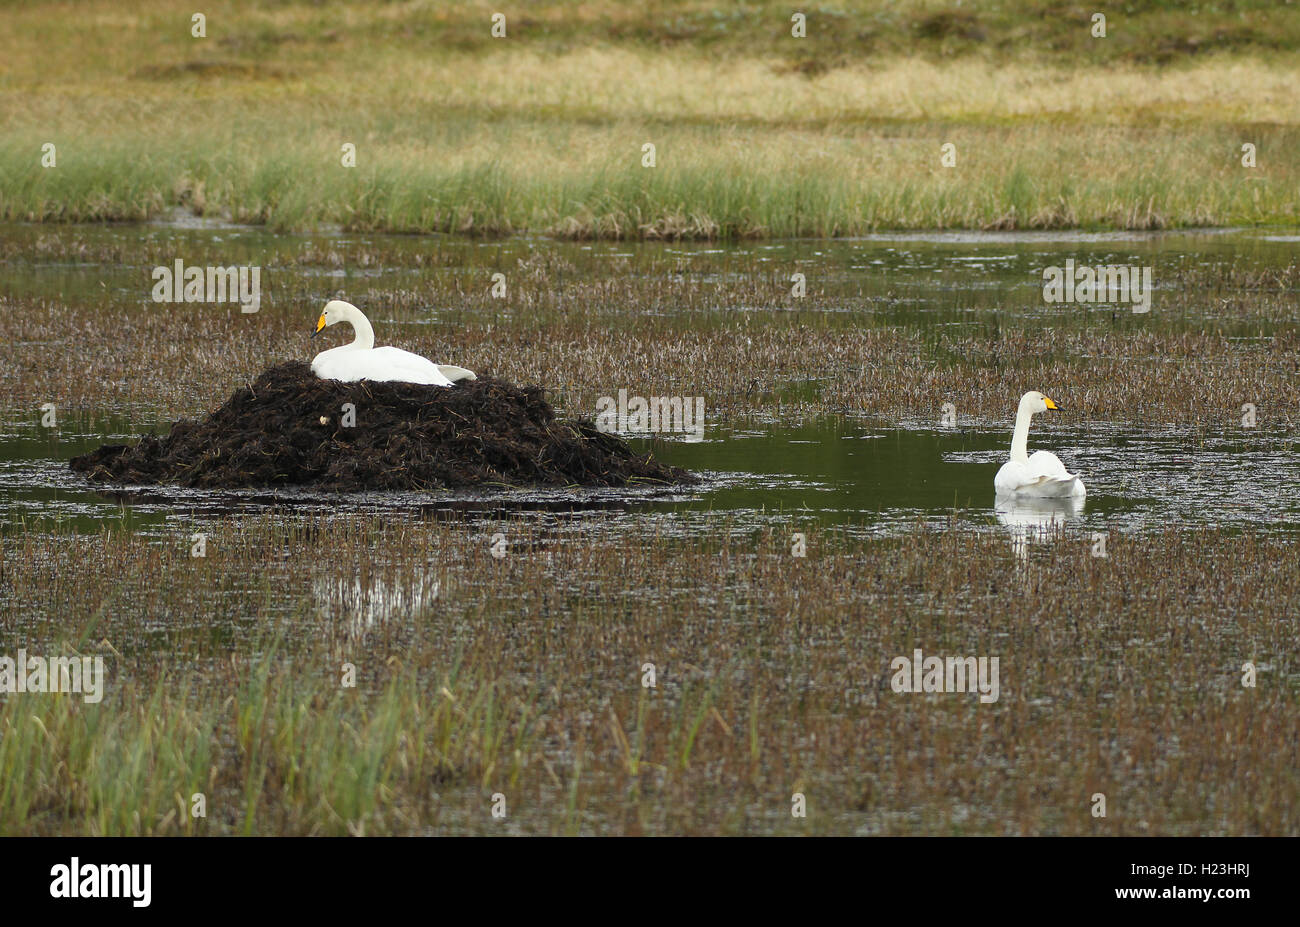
(405, 436)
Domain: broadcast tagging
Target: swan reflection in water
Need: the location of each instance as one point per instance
(1035, 518)
(364, 605)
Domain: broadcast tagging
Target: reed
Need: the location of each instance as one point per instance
(1120, 675)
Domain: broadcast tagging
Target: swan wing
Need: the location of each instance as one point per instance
(1045, 463)
(384, 365)
(1053, 478)
(1011, 477)
(332, 365)
(1042, 475)
(396, 365)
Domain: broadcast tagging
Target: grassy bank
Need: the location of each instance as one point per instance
(1119, 675)
(543, 131)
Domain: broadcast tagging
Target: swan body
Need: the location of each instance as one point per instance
(361, 360)
(1041, 475)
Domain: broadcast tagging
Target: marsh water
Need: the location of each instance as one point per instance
(837, 469)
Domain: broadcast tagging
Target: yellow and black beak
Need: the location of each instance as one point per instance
(320, 323)
(1051, 405)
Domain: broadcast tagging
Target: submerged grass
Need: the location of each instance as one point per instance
(1120, 675)
(721, 326)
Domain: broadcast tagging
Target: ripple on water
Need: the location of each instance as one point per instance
(870, 481)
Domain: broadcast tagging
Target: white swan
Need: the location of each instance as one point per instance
(361, 360)
(1042, 475)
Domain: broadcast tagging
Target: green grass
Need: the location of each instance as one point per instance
(543, 131)
(269, 747)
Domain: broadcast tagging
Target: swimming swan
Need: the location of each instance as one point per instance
(1042, 475)
(361, 360)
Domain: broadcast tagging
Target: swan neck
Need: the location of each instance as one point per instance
(365, 338)
(1020, 438)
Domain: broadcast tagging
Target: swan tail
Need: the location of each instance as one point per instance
(1061, 485)
(456, 374)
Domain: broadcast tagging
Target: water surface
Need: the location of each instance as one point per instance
(829, 471)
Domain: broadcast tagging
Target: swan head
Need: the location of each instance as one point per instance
(336, 310)
(1034, 402)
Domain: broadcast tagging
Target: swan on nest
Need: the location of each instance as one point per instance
(361, 360)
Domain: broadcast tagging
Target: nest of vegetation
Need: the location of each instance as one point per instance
(289, 429)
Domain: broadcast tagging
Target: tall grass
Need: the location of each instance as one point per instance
(278, 747)
(518, 135)
(736, 183)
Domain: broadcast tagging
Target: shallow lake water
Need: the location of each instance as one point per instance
(958, 279)
(833, 471)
